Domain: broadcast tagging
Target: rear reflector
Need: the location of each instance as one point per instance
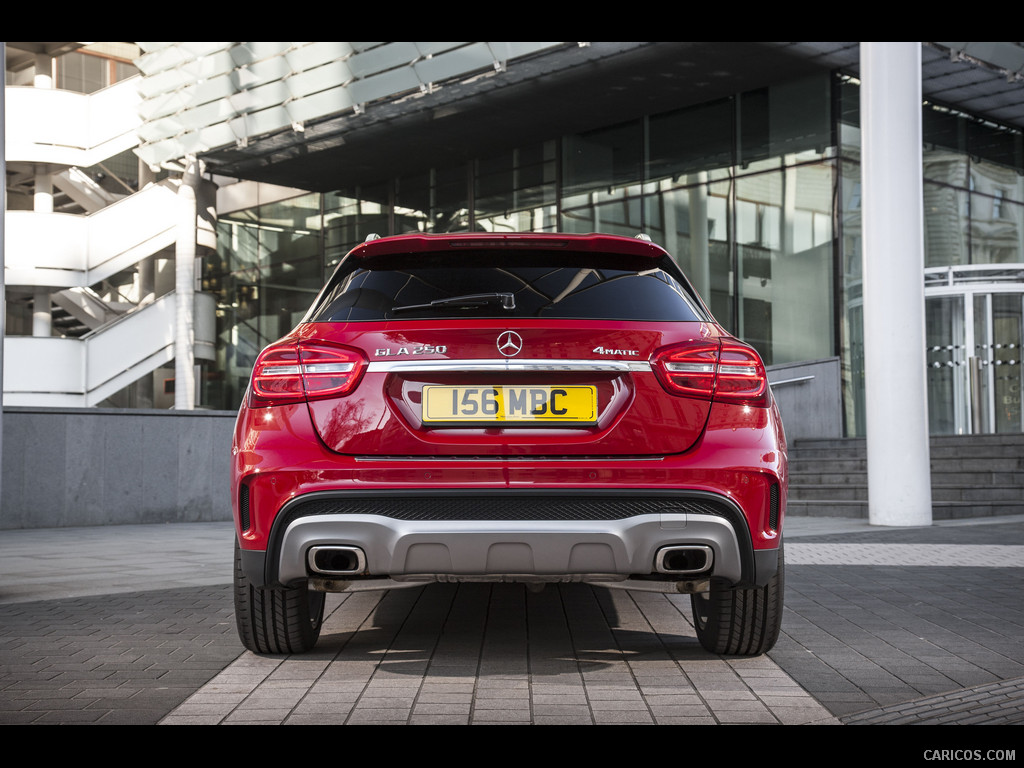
(292, 373)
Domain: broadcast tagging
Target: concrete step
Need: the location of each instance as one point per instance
(940, 492)
(831, 444)
(977, 463)
(821, 476)
(1015, 479)
(1008, 461)
(826, 508)
(833, 492)
(996, 494)
(977, 475)
(941, 510)
(800, 477)
(827, 464)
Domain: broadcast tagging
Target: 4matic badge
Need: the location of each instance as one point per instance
(607, 351)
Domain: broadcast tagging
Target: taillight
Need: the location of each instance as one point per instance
(276, 376)
(741, 376)
(730, 372)
(688, 370)
(292, 373)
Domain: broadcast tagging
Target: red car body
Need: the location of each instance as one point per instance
(509, 435)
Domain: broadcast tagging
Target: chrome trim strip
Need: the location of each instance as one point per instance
(500, 459)
(470, 366)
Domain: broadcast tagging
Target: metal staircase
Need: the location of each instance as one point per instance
(109, 326)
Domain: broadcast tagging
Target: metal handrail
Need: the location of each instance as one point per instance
(798, 380)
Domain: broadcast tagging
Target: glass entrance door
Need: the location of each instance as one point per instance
(948, 373)
(997, 343)
(974, 362)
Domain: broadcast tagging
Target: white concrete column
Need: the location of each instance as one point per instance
(147, 293)
(184, 287)
(899, 477)
(42, 313)
(43, 77)
(42, 201)
(147, 280)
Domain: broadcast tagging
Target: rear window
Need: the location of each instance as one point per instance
(507, 285)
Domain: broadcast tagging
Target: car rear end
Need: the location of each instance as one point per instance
(532, 408)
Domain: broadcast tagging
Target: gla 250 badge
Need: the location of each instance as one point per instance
(426, 349)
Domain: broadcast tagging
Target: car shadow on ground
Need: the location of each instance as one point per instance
(469, 629)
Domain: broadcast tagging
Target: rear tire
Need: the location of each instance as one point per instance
(276, 620)
(740, 622)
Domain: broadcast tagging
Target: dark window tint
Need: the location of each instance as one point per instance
(543, 285)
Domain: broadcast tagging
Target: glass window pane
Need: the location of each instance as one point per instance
(412, 204)
(945, 226)
(784, 248)
(945, 146)
(1000, 151)
(515, 191)
(849, 117)
(790, 119)
(614, 211)
(266, 273)
(82, 72)
(352, 214)
(690, 140)
(695, 230)
(608, 157)
(997, 230)
(436, 201)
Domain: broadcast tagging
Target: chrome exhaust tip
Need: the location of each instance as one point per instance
(336, 560)
(684, 559)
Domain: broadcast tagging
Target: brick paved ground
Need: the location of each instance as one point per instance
(909, 643)
(478, 653)
(128, 658)
(864, 641)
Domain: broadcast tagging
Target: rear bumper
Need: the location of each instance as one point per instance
(614, 536)
(281, 468)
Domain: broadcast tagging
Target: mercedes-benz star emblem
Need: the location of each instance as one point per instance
(510, 343)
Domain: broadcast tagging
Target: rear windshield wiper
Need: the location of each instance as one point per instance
(506, 300)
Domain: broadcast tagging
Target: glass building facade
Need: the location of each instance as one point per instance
(758, 198)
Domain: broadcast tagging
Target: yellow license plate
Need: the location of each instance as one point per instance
(488, 405)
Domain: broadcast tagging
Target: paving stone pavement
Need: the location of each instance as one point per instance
(113, 659)
(922, 625)
(870, 636)
(479, 653)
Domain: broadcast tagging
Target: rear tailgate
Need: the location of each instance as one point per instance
(492, 388)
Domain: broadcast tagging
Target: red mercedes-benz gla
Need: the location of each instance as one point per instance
(522, 407)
